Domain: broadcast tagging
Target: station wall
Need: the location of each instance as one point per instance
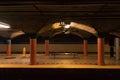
(55, 47)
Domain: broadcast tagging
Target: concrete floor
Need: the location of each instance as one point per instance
(58, 72)
(58, 61)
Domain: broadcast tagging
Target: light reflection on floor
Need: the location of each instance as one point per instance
(66, 58)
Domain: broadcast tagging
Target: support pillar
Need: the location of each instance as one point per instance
(33, 51)
(85, 47)
(46, 47)
(30, 46)
(100, 51)
(117, 48)
(9, 47)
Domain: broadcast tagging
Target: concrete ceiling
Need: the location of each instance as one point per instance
(10, 33)
(33, 16)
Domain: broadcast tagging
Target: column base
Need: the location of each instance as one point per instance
(33, 63)
(46, 54)
(103, 64)
(85, 55)
(24, 57)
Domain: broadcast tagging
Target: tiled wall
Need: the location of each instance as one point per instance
(55, 47)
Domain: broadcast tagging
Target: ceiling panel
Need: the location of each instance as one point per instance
(17, 8)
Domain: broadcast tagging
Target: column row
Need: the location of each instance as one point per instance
(33, 52)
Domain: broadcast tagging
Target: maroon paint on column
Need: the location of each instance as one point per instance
(101, 51)
(33, 47)
(46, 47)
(85, 47)
(9, 48)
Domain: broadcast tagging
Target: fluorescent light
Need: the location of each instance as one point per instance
(3, 25)
(67, 26)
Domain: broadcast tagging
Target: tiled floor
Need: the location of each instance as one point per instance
(91, 59)
(59, 67)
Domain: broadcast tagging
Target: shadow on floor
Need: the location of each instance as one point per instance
(58, 74)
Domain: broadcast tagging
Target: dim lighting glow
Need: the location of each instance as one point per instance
(3, 25)
(17, 33)
(56, 26)
(67, 53)
(67, 26)
(74, 25)
(83, 27)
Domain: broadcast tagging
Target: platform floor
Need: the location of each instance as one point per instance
(58, 61)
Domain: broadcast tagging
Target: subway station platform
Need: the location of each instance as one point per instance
(66, 60)
(58, 67)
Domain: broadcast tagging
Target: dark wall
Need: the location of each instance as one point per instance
(58, 39)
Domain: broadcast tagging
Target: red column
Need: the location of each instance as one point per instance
(46, 47)
(30, 46)
(101, 51)
(33, 47)
(9, 48)
(85, 47)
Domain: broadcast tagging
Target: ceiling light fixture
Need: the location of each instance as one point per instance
(4, 25)
(66, 25)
